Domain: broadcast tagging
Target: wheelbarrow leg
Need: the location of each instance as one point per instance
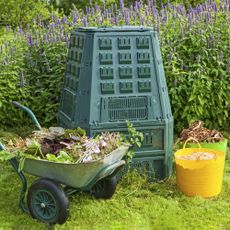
(14, 164)
(22, 205)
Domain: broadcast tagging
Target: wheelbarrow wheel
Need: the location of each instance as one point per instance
(104, 188)
(47, 202)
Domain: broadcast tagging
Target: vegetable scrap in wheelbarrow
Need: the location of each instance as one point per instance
(67, 146)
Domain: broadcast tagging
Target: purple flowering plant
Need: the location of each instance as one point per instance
(194, 45)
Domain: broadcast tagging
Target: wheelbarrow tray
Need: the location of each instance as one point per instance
(76, 175)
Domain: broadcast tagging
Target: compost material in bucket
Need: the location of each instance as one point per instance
(198, 156)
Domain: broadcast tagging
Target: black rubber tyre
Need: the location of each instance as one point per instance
(47, 202)
(104, 188)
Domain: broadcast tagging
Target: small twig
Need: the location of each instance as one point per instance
(40, 151)
(131, 193)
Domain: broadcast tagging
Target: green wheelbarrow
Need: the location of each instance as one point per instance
(47, 197)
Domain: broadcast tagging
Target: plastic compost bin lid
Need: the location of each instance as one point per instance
(114, 29)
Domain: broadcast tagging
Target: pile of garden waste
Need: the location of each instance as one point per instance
(59, 145)
(197, 131)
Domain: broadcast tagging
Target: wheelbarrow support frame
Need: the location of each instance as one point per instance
(21, 175)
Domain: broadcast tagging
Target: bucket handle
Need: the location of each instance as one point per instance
(189, 139)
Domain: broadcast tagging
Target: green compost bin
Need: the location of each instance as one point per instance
(113, 75)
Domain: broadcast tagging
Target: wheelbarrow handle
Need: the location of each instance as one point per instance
(29, 112)
(2, 146)
(17, 104)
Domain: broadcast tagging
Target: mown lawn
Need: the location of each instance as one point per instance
(136, 204)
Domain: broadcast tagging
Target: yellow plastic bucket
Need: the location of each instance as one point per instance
(199, 177)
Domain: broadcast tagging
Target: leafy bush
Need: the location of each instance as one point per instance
(66, 5)
(197, 65)
(34, 79)
(194, 46)
(45, 66)
(21, 12)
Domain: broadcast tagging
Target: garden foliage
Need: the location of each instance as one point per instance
(21, 12)
(194, 46)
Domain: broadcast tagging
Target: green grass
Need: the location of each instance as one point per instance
(136, 204)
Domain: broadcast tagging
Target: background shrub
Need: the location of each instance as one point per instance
(194, 45)
(21, 12)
